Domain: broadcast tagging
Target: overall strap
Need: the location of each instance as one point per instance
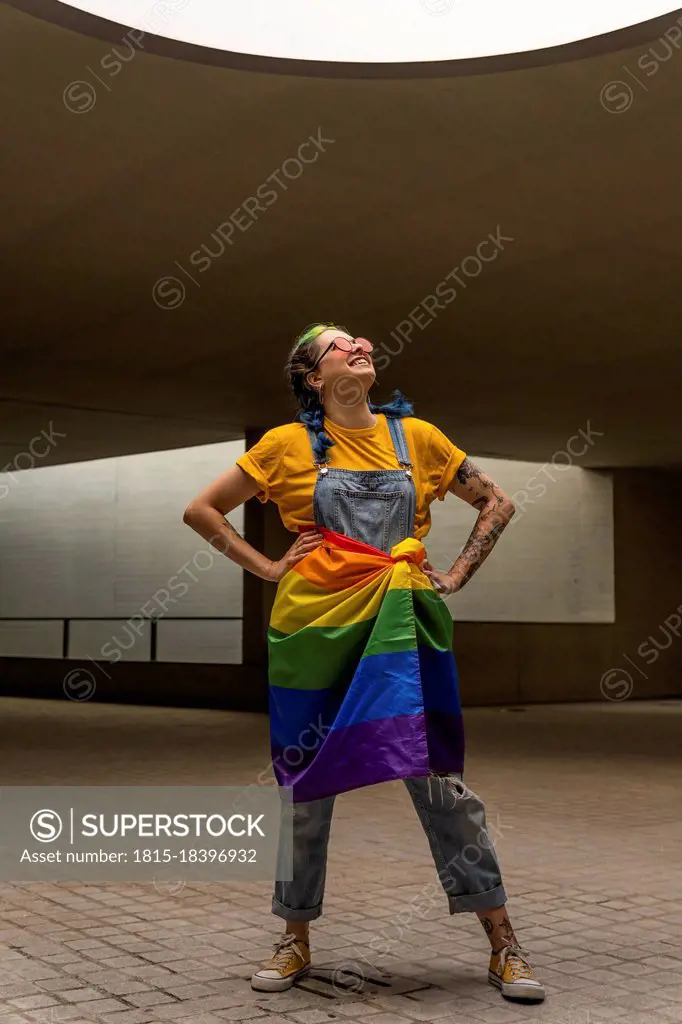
(397, 431)
(395, 425)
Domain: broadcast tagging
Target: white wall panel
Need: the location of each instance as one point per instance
(58, 542)
(110, 640)
(553, 563)
(105, 538)
(155, 551)
(204, 641)
(31, 639)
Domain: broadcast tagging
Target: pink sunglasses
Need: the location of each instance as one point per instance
(344, 345)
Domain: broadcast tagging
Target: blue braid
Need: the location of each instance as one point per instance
(313, 417)
(395, 409)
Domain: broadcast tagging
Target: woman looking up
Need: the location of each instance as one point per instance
(360, 639)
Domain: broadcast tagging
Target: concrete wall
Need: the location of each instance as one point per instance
(103, 541)
(105, 538)
(638, 656)
(554, 562)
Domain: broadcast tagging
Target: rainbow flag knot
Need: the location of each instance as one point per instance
(363, 681)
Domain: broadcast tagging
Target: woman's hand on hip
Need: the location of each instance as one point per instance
(302, 546)
(443, 582)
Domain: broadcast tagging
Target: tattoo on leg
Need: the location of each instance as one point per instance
(507, 930)
(500, 933)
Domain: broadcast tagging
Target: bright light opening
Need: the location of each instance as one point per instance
(377, 31)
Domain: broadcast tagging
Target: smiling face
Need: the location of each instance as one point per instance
(336, 368)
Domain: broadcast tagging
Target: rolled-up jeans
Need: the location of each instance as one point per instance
(453, 818)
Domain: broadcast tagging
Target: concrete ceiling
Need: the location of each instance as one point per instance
(577, 319)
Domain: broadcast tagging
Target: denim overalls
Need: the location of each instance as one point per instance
(378, 507)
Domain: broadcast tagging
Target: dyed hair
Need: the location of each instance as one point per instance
(311, 411)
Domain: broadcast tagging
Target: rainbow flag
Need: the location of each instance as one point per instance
(363, 682)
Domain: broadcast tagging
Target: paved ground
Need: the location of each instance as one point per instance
(585, 807)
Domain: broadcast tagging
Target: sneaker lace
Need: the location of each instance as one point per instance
(285, 952)
(519, 964)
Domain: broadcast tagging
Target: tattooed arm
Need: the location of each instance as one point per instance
(206, 515)
(495, 510)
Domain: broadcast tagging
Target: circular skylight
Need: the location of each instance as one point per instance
(376, 31)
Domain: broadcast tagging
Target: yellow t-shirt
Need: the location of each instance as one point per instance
(282, 464)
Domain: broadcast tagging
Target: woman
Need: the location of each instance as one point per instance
(360, 654)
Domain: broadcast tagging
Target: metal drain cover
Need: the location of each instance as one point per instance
(349, 979)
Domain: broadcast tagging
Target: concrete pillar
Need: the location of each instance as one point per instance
(264, 530)
(647, 634)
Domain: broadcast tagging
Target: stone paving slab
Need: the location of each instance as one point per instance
(589, 845)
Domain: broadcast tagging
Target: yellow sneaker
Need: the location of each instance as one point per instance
(291, 961)
(512, 973)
